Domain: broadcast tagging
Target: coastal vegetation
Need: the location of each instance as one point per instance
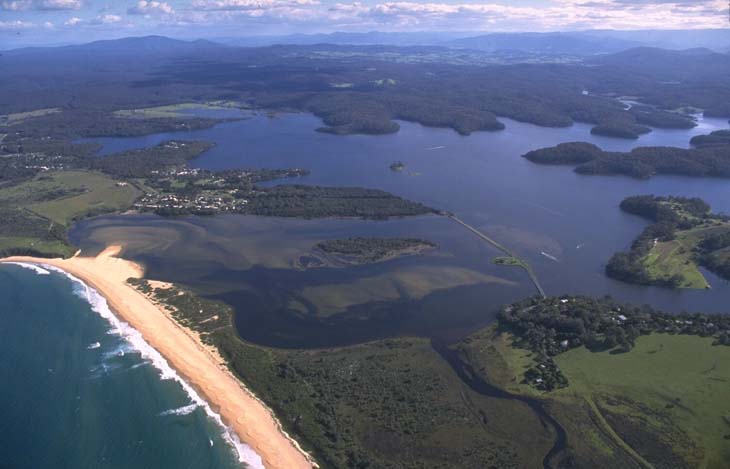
(626, 383)
(641, 162)
(390, 403)
(684, 234)
(43, 193)
(384, 403)
(38, 211)
(358, 251)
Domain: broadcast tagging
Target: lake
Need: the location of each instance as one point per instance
(565, 224)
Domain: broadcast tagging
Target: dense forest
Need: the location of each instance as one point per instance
(371, 250)
(363, 90)
(641, 162)
(550, 326)
(149, 162)
(319, 202)
(363, 406)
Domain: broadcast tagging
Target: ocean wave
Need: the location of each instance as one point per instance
(33, 267)
(93, 346)
(184, 410)
(99, 305)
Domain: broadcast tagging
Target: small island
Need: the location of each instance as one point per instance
(685, 234)
(706, 160)
(397, 166)
(360, 251)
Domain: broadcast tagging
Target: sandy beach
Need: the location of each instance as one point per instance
(200, 366)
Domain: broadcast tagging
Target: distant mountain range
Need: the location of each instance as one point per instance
(581, 43)
(572, 43)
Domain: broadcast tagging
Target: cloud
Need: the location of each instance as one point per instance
(107, 19)
(248, 5)
(59, 4)
(559, 14)
(73, 21)
(151, 8)
(14, 25)
(18, 5)
(22, 5)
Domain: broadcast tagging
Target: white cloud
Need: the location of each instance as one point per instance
(15, 25)
(59, 4)
(73, 21)
(21, 5)
(107, 19)
(17, 5)
(246, 5)
(151, 8)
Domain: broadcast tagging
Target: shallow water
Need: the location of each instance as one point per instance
(566, 225)
(78, 394)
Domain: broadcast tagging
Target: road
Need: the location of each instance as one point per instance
(523, 263)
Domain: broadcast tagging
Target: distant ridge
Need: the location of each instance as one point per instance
(142, 44)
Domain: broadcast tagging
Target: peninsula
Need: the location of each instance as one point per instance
(200, 365)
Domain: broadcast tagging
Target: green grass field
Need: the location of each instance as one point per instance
(676, 257)
(665, 404)
(49, 248)
(18, 117)
(671, 393)
(101, 194)
(176, 110)
(58, 198)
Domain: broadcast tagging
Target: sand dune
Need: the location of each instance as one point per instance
(200, 366)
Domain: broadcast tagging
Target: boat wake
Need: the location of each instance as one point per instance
(552, 258)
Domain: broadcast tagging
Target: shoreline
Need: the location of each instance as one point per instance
(199, 365)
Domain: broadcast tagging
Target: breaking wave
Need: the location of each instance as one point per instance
(134, 338)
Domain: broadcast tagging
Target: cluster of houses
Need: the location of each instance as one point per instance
(197, 204)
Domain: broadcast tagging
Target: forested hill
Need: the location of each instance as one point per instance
(364, 89)
(712, 159)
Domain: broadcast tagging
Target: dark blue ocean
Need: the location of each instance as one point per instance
(79, 389)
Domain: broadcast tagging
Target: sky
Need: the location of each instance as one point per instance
(69, 21)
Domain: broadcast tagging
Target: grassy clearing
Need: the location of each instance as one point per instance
(100, 194)
(664, 404)
(67, 195)
(674, 258)
(46, 205)
(667, 398)
(18, 117)
(44, 247)
(677, 257)
(176, 110)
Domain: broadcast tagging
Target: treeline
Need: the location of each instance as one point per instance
(369, 250)
(669, 215)
(148, 162)
(642, 162)
(305, 77)
(550, 326)
(373, 113)
(718, 137)
(362, 406)
(320, 202)
(73, 123)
